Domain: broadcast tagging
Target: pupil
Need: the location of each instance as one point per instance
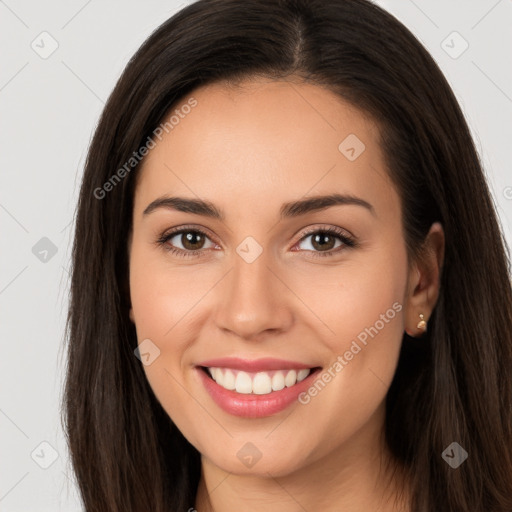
(189, 239)
(324, 241)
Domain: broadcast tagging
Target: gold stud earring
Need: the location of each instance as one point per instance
(422, 324)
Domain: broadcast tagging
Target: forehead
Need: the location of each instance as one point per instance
(263, 139)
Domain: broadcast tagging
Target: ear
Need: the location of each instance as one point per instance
(424, 280)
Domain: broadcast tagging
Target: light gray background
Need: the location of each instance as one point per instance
(48, 110)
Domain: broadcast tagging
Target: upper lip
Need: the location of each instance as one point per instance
(254, 365)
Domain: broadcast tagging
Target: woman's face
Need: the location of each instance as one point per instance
(262, 288)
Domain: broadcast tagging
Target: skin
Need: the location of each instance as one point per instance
(248, 150)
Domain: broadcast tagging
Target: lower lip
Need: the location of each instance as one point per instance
(251, 405)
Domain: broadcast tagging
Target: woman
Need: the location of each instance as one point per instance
(290, 290)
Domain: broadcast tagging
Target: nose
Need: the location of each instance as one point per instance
(253, 300)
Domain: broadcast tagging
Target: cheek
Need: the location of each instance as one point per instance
(165, 302)
(363, 307)
(359, 300)
(161, 294)
(365, 311)
(160, 301)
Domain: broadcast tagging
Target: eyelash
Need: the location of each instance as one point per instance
(348, 241)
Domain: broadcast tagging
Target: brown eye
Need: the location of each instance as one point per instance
(186, 242)
(327, 241)
(323, 241)
(192, 240)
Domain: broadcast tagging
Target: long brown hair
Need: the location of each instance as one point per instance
(453, 386)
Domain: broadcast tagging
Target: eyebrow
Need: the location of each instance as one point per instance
(288, 210)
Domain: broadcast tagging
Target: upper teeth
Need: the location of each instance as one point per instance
(259, 383)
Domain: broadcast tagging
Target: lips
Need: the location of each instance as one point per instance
(255, 388)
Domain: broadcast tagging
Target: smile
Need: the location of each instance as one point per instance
(255, 389)
(260, 383)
